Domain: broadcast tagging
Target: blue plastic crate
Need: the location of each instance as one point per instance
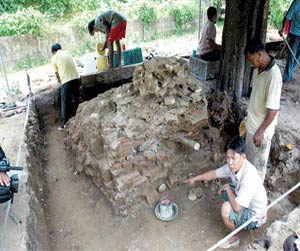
(132, 56)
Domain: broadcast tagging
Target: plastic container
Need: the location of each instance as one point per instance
(101, 62)
(98, 48)
(89, 64)
(132, 56)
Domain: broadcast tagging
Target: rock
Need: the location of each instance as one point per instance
(162, 188)
(192, 195)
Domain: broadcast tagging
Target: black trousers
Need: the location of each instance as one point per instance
(214, 55)
(69, 93)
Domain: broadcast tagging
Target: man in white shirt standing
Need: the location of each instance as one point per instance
(245, 197)
(208, 49)
(263, 106)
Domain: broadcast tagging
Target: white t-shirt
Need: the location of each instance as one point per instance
(209, 32)
(266, 92)
(249, 189)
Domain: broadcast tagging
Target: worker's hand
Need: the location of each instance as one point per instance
(258, 138)
(190, 181)
(4, 179)
(223, 189)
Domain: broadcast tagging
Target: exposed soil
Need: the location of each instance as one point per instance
(80, 218)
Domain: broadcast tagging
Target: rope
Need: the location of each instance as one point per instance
(24, 129)
(254, 218)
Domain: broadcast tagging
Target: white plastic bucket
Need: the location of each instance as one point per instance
(89, 64)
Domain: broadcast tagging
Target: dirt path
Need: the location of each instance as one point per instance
(81, 218)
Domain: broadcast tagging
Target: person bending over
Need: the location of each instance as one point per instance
(113, 25)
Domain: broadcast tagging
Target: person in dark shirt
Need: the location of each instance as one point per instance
(113, 25)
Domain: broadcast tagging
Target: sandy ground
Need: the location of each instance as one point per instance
(80, 218)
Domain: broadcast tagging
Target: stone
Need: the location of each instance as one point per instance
(151, 197)
(162, 188)
(170, 100)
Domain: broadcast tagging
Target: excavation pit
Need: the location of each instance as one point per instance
(76, 207)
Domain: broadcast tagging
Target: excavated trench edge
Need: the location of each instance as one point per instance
(44, 110)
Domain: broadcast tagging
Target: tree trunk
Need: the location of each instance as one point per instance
(244, 19)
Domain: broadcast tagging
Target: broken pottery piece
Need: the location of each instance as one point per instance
(162, 188)
(195, 193)
(192, 195)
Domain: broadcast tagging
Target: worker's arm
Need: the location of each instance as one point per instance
(212, 44)
(231, 196)
(104, 46)
(259, 135)
(210, 175)
(58, 77)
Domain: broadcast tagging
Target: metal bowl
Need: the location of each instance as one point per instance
(172, 217)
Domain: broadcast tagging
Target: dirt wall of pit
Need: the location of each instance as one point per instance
(37, 226)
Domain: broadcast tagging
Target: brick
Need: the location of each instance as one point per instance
(151, 196)
(127, 179)
(117, 165)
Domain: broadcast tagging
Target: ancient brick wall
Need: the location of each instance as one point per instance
(128, 139)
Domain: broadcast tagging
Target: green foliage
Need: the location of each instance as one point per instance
(182, 15)
(25, 21)
(147, 14)
(9, 6)
(218, 5)
(54, 8)
(277, 12)
(79, 24)
(30, 62)
(83, 49)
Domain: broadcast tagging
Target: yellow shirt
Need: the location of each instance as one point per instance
(63, 63)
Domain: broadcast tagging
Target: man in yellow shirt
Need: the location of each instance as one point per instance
(67, 76)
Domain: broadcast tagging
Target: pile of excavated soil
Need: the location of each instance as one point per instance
(129, 140)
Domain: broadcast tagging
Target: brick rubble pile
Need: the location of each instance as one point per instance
(126, 138)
